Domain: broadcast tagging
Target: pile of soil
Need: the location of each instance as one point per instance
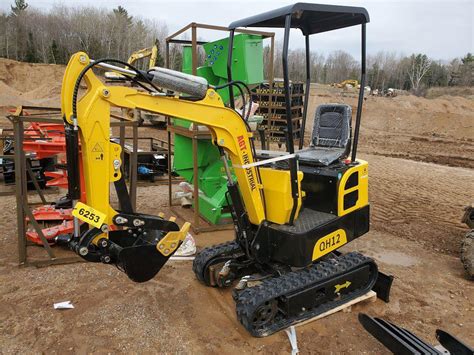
(30, 84)
(416, 207)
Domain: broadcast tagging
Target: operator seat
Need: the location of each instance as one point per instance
(331, 137)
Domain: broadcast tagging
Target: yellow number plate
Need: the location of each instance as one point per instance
(328, 243)
(88, 214)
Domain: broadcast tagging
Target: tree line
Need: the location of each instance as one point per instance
(384, 70)
(31, 35)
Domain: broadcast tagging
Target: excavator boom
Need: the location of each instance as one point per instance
(101, 157)
(88, 121)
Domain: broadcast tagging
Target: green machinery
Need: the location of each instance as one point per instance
(248, 68)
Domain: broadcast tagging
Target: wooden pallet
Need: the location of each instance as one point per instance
(346, 307)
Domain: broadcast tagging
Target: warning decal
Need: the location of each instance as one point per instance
(98, 148)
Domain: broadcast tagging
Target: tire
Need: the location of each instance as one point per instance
(467, 254)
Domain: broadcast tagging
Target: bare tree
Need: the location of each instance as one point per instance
(420, 64)
(52, 36)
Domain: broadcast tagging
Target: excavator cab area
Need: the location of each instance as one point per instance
(334, 184)
(292, 270)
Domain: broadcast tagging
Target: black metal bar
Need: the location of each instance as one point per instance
(170, 187)
(72, 157)
(286, 82)
(398, 340)
(122, 142)
(361, 95)
(289, 123)
(185, 41)
(29, 170)
(21, 189)
(453, 344)
(134, 167)
(306, 94)
(125, 202)
(229, 68)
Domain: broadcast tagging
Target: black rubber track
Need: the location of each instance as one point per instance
(205, 256)
(249, 300)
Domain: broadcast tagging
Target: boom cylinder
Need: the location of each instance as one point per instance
(168, 79)
(180, 82)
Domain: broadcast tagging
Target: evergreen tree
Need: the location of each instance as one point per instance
(19, 7)
(160, 61)
(31, 50)
(54, 56)
(121, 12)
(469, 58)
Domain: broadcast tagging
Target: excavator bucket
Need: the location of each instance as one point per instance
(140, 256)
(139, 259)
(141, 263)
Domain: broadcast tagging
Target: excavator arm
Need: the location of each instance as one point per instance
(102, 157)
(143, 53)
(102, 166)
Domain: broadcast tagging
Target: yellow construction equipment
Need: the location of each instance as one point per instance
(352, 82)
(151, 52)
(292, 210)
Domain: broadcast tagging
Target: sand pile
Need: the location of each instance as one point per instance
(29, 84)
(445, 116)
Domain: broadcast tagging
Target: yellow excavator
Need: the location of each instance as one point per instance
(354, 83)
(151, 52)
(114, 76)
(292, 210)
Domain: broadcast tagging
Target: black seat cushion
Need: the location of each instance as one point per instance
(331, 137)
(320, 155)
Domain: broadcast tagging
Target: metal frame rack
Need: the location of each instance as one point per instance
(27, 114)
(195, 134)
(155, 146)
(272, 108)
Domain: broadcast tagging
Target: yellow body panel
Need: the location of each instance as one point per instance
(329, 243)
(362, 187)
(226, 126)
(277, 191)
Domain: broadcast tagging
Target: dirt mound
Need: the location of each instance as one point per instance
(29, 84)
(415, 233)
(463, 91)
(430, 130)
(445, 116)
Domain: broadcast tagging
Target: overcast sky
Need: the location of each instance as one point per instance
(441, 29)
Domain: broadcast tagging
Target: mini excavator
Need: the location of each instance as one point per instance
(292, 210)
(151, 52)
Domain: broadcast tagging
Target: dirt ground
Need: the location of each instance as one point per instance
(421, 160)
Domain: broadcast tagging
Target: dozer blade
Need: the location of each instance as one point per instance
(141, 263)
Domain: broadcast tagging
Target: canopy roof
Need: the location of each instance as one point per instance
(309, 18)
